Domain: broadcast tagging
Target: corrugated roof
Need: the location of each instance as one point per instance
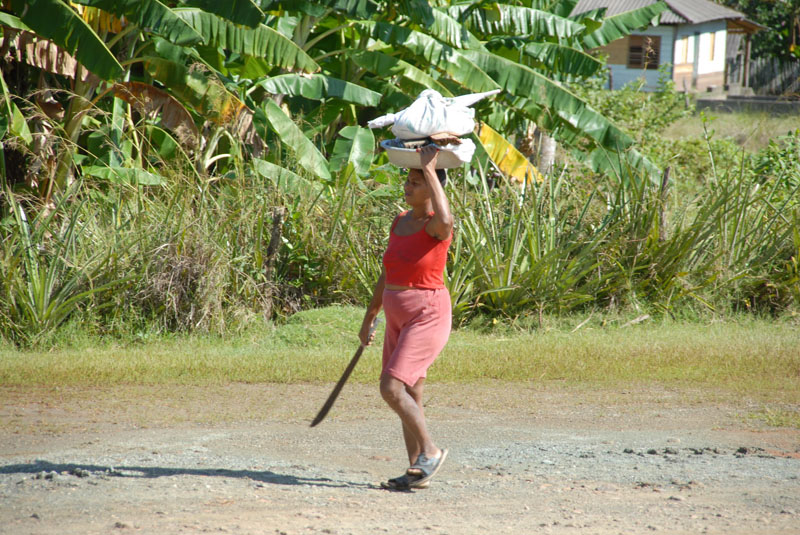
(697, 11)
(679, 12)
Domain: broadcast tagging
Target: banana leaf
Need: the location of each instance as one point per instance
(154, 102)
(385, 66)
(447, 29)
(563, 59)
(592, 19)
(517, 20)
(450, 60)
(149, 15)
(361, 9)
(14, 121)
(562, 8)
(558, 59)
(244, 12)
(629, 162)
(287, 181)
(419, 11)
(623, 24)
(566, 107)
(506, 157)
(308, 156)
(262, 42)
(56, 21)
(12, 21)
(124, 175)
(319, 87)
(355, 146)
(208, 98)
(44, 54)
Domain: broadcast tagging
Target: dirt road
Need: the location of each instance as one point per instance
(523, 459)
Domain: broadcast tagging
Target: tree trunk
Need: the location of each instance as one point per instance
(278, 215)
(547, 153)
(663, 194)
(78, 106)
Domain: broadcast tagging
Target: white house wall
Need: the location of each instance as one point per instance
(702, 33)
(708, 70)
(712, 60)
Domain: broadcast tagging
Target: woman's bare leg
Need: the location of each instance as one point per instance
(413, 447)
(409, 408)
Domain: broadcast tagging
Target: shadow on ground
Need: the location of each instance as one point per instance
(83, 470)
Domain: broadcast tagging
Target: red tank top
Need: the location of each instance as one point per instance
(416, 260)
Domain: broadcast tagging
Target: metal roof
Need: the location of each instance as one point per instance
(679, 12)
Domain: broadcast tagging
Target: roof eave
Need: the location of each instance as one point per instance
(744, 26)
(734, 25)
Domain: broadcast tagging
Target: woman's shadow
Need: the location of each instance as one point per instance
(260, 476)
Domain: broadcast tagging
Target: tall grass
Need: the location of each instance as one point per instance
(569, 244)
(53, 266)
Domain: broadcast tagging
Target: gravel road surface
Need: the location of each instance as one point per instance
(523, 459)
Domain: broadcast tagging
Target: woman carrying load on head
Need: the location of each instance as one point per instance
(418, 312)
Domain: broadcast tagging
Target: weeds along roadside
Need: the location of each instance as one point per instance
(212, 253)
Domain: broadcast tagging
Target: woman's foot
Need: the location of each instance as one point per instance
(425, 468)
(404, 482)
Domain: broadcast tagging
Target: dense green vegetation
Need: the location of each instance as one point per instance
(200, 182)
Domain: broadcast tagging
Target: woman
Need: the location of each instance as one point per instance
(418, 313)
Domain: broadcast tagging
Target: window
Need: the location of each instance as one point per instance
(644, 51)
(711, 43)
(682, 51)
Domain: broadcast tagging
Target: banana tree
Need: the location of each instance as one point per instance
(529, 49)
(146, 54)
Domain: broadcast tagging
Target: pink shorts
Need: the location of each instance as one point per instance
(417, 328)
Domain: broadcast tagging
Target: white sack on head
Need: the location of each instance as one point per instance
(432, 113)
(383, 120)
(469, 100)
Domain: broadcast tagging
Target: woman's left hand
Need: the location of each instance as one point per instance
(427, 157)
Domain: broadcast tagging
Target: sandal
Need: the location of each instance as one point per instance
(424, 469)
(404, 482)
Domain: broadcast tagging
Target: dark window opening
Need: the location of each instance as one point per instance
(644, 51)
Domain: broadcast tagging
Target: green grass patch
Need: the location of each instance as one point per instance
(752, 131)
(758, 358)
(778, 417)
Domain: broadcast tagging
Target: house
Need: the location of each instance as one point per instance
(695, 37)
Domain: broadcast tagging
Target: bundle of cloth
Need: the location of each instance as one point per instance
(432, 118)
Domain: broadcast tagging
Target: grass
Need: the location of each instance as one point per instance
(778, 417)
(751, 362)
(752, 131)
(759, 358)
